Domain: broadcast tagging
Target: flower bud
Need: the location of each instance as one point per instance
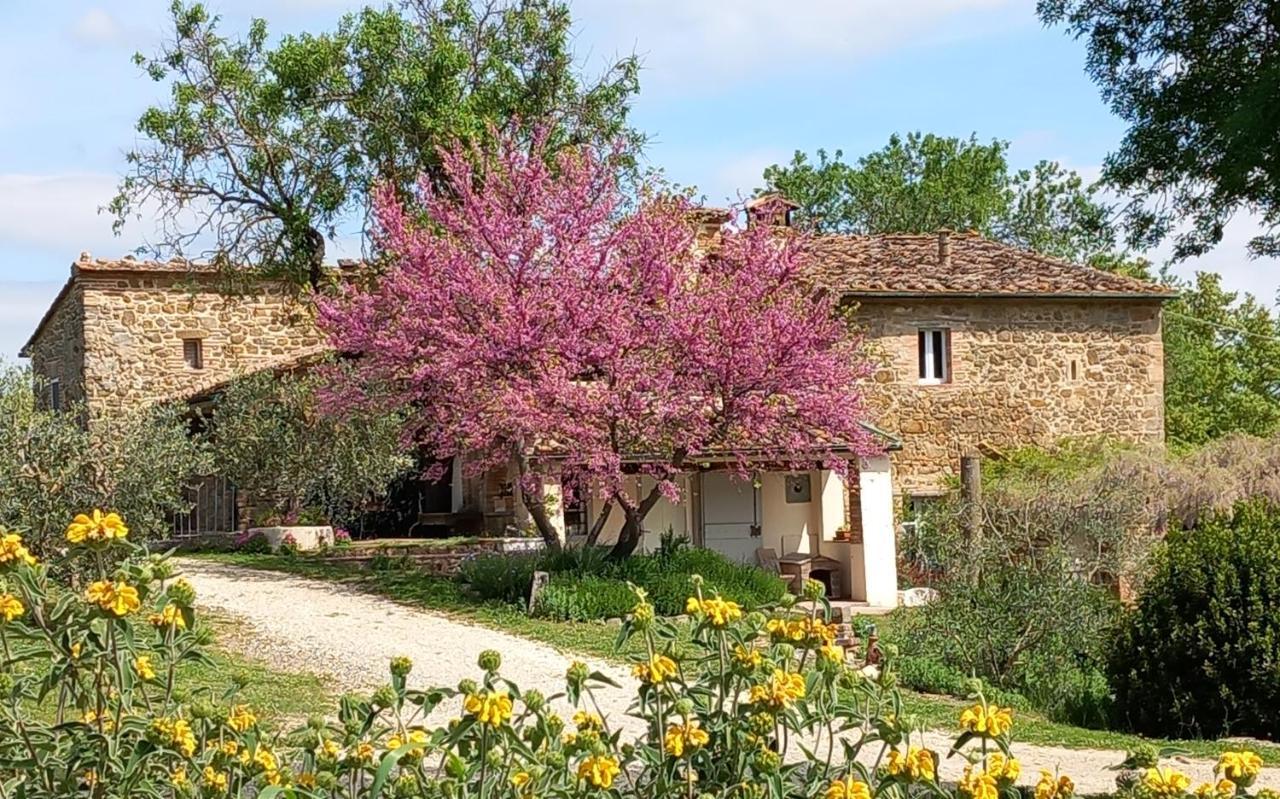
(813, 590)
(493, 757)
(385, 696)
(578, 673)
(161, 569)
(490, 660)
(203, 709)
(315, 723)
(406, 786)
(684, 706)
(326, 780)
(401, 666)
(786, 651)
(695, 580)
(467, 686)
(767, 761)
(182, 593)
(534, 700)
(145, 574)
(787, 601)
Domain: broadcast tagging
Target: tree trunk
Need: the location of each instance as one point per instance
(632, 525)
(315, 258)
(536, 505)
(598, 526)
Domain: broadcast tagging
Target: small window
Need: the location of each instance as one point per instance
(1075, 370)
(55, 395)
(193, 353)
(934, 350)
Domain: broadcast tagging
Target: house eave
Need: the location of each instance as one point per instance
(1010, 295)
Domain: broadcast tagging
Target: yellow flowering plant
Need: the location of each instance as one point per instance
(745, 705)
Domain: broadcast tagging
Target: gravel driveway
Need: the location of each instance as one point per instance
(303, 625)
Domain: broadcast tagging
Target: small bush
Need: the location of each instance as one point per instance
(585, 584)
(253, 543)
(1199, 655)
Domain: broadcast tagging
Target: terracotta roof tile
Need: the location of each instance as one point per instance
(919, 264)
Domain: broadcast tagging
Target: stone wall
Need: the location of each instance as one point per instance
(1012, 383)
(135, 325)
(58, 353)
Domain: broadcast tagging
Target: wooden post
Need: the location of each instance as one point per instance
(971, 492)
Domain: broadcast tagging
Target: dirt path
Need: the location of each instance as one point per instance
(298, 624)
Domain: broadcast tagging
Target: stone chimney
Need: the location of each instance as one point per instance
(944, 247)
(772, 209)
(707, 223)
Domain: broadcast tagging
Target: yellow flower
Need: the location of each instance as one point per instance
(169, 616)
(680, 737)
(90, 778)
(720, 612)
(240, 718)
(1165, 782)
(178, 777)
(104, 721)
(362, 753)
(176, 733)
(599, 771)
(585, 720)
(119, 599)
(492, 707)
(656, 671)
(329, 749)
(832, 652)
(747, 657)
(1050, 788)
(96, 529)
(1005, 770)
(848, 788)
(265, 758)
(1224, 789)
(142, 667)
(779, 690)
(410, 737)
(916, 765)
(988, 722)
(76, 648)
(12, 551)
(1241, 768)
(522, 781)
(217, 780)
(978, 785)
(10, 607)
(307, 780)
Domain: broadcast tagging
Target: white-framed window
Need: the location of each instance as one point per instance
(934, 353)
(55, 394)
(193, 353)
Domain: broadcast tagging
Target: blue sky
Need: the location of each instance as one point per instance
(729, 87)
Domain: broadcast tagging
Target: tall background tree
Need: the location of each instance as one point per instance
(1198, 82)
(266, 149)
(919, 183)
(532, 320)
(1222, 363)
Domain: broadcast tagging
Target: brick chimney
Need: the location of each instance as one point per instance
(772, 209)
(944, 247)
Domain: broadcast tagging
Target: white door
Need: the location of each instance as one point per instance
(729, 516)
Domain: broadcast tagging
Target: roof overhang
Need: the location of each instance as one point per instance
(1009, 295)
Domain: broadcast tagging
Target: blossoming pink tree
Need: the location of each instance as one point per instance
(531, 317)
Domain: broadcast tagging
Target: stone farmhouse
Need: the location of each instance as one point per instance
(980, 347)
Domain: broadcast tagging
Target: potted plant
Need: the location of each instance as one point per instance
(842, 533)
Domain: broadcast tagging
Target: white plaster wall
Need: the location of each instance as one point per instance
(655, 524)
(786, 526)
(879, 547)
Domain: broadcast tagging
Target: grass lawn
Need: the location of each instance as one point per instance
(280, 699)
(446, 596)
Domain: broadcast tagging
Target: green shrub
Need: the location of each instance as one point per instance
(1200, 654)
(585, 584)
(575, 598)
(139, 464)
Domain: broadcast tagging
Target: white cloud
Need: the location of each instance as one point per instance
(58, 212)
(1257, 276)
(97, 27)
(21, 306)
(705, 43)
